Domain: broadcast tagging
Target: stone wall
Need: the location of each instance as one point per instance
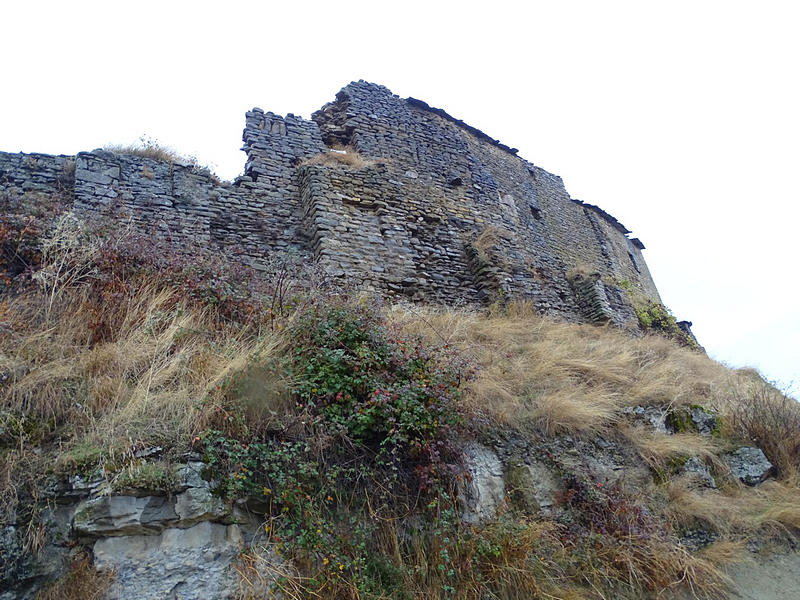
(481, 222)
(36, 173)
(407, 201)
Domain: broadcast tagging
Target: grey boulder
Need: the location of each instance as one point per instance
(749, 465)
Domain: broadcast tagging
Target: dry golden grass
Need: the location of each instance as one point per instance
(658, 449)
(581, 270)
(725, 553)
(734, 510)
(758, 412)
(348, 157)
(148, 148)
(82, 582)
(537, 374)
(561, 377)
(488, 238)
(143, 386)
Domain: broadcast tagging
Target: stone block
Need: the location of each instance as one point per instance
(484, 491)
(123, 515)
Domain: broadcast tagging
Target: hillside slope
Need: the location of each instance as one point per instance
(176, 426)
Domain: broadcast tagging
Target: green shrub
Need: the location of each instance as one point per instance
(151, 476)
(656, 317)
(83, 458)
(359, 377)
(373, 417)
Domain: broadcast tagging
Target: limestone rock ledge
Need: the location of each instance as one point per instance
(176, 563)
(159, 546)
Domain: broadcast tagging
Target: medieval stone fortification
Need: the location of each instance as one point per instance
(387, 192)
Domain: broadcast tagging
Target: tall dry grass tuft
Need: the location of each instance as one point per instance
(348, 157)
(561, 377)
(147, 147)
(761, 414)
(145, 384)
(659, 449)
(82, 582)
(736, 510)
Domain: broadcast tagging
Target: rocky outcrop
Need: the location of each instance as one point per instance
(484, 492)
(174, 563)
(531, 475)
(704, 422)
(180, 544)
(749, 465)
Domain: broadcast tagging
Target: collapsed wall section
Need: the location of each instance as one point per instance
(275, 147)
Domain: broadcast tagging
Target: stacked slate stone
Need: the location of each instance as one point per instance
(454, 183)
(36, 173)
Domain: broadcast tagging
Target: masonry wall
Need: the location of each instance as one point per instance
(436, 211)
(36, 173)
(482, 221)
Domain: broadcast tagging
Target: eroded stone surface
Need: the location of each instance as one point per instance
(601, 460)
(148, 514)
(484, 492)
(199, 504)
(704, 421)
(534, 486)
(191, 563)
(124, 515)
(654, 417)
(697, 469)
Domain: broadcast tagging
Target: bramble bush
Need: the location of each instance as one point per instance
(23, 222)
(377, 413)
(363, 380)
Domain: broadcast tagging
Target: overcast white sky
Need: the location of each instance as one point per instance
(679, 118)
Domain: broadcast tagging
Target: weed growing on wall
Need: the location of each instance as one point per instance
(657, 318)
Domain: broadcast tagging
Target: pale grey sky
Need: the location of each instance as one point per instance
(679, 118)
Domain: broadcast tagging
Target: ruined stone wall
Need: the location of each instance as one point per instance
(36, 173)
(275, 146)
(482, 222)
(428, 208)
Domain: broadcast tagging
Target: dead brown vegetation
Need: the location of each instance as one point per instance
(147, 147)
(769, 419)
(140, 387)
(566, 378)
(82, 582)
(347, 157)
